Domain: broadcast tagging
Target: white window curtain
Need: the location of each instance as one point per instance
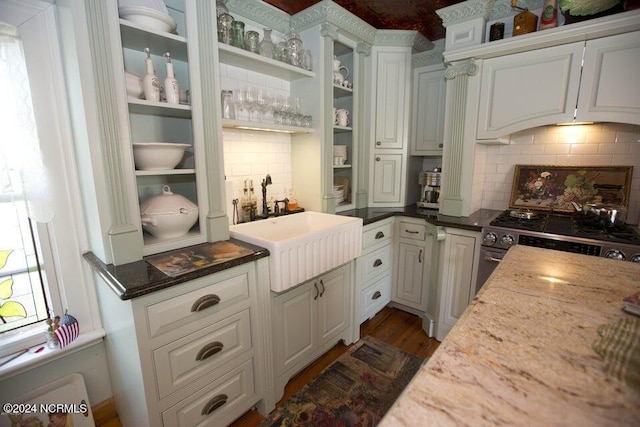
(22, 172)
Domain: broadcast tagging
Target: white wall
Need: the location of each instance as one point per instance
(606, 144)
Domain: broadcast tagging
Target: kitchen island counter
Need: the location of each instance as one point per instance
(521, 354)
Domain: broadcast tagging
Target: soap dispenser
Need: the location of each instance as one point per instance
(150, 82)
(171, 89)
(253, 201)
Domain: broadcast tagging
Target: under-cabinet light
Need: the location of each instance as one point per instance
(264, 129)
(574, 123)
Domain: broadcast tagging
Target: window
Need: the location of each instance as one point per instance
(46, 260)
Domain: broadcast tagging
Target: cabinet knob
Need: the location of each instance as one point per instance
(377, 159)
(376, 295)
(379, 235)
(209, 350)
(378, 143)
(377, 263)
(205, 301)
(440, 145)
(214, 403)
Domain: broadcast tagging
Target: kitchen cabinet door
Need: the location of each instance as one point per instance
(459, 270)
(392, 82)
(387, 178)
(409, 285)
(333, 304)
(610, 91)
(427, 130)
(529, 89)
(294, 319)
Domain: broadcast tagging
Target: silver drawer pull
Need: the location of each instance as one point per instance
(411, 232)
(205, 301)
(379, 235)
(209, 350)
(214, 404)
(376, 295)
(377, 263)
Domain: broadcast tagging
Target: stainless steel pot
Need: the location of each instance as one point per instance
(602, 214)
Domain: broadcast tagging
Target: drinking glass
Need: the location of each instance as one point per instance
(237, 34)
(240, 103)
(251, 41)
(262, 102)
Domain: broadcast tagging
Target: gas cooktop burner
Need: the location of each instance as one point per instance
(566, 225)
(523, 214)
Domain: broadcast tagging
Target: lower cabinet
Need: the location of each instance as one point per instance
(310, 319)
(192, 354)
(459, 270)
(414, 263)
(374, 270)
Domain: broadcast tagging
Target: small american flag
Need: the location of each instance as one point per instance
(68, 331)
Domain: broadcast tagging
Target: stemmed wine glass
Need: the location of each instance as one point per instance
(262, 103)
(240, 101)
(252, 100)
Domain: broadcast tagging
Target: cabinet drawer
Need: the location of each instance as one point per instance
(172, 313)
(409, 230)
(187, 359)
(374, 265)
(379, 233)
(217, 404)
(375, 297)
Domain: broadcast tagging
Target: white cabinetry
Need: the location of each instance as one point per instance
(529, 89)
(609, 91)
(544, 86)
(427, 121)
(392, 78)
(458, 276)
(390, 162)
(373, 269)
(308, 320)
(414, 263)
(189, 354)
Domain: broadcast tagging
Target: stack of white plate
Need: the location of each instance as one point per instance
(149, 13)
(338, 193)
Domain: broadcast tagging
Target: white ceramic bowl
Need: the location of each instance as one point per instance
(134, 85)
(168, 215)
(151, 156)
(148, 17)
(158, 5)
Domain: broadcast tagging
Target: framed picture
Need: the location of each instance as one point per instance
(554, 188)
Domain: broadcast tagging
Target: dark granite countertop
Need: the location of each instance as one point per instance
(474, 222)
(141, 277)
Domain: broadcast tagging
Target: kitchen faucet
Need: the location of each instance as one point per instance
(265, 208)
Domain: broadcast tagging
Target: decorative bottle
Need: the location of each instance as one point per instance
(245, 204)
(549, 16)
(150, 82)
(171, 88)
(253, 201)
(266, 47)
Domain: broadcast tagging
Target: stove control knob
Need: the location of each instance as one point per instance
(615, 254)
(635, 258)
(489, 239)
(507, 240)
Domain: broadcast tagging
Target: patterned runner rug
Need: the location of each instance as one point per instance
(355, 390)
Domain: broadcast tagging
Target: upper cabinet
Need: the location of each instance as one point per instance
(609, 91)
(159, 121)
(529, 89)
(392, 68)
(545, 86)
(427, 129)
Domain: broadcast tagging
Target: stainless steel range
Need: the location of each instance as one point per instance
(560, 232)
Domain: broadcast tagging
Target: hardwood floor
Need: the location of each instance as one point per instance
(391, 325)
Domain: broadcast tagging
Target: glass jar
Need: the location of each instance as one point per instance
(237, 34)
(251, 41)
(225, 22)
(282, 53)
(306, 59)
(221, 8)
(295, 49)
(266, 46)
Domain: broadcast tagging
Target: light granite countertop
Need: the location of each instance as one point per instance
(521, 353)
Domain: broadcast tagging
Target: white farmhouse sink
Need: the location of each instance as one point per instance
(303, 245)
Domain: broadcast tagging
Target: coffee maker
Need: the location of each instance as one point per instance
(429, 188)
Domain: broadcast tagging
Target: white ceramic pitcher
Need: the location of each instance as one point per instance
(343, 117)
(337, 68)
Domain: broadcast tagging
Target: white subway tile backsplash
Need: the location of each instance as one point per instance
(593, 145)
